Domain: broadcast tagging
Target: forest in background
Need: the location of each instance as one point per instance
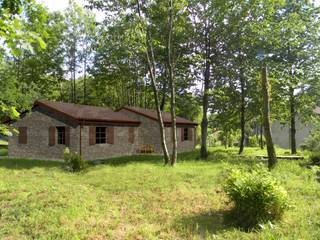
(203, 54)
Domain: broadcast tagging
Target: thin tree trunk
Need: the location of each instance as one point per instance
(172, 86)
(226, 141)
(261, 135)
(272, 159)
(205, 99)
(292, 122)
(85, 81)
(152, 72)
(242, 111)
(163, 97)
(74, 76)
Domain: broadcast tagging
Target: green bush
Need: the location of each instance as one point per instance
(256, 195)
(315, 158)
(73, 161)
(312, 143)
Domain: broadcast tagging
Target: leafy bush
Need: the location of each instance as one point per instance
(315, 158)
(312, 143)
(256, 195)
(73, 161)
(255, 142)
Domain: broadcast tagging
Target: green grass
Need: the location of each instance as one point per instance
(137, 198)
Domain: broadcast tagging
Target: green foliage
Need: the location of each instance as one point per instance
(7, 113)
(254, 141)
(312, 143)
(229, 138)
(73, 161)
(257, 196)
(42, 201)
(315, 158)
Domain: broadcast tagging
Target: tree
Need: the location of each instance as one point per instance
(15, 39)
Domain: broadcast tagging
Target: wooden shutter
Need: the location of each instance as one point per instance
(182, 134)
(67, 136)
(190, 134)
(23, 135)
(131, 135)
(52, 136)
(92, 135)
(110, 135)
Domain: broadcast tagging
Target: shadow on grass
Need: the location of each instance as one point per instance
(19, 164)
(120, 161)
(215, 157)
(206, 223)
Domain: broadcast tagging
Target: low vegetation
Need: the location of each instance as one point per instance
(137, 198)
(256, 195)
(73, 161)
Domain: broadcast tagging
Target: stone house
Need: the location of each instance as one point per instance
(93, 132)
(149, 130)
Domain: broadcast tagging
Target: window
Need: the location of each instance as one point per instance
(185, 134)
(61, 135)
(101, 135)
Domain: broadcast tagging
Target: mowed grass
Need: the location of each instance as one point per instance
(137, 198)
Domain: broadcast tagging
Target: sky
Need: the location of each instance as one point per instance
(60, 5)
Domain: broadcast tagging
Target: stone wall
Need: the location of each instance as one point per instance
(37, 147)
(121, 146)
(149, 133)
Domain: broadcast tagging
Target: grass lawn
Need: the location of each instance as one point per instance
(137, 198)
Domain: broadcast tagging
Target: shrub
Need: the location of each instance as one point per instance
(312, 143)
(315, 158)
(73, 161)
(256, 195)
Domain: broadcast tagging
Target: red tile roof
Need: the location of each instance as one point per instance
(86, 113)
(152, 114)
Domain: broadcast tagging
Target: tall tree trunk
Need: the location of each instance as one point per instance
(205, 98)
(242, 111)
(272, 158)
(74, 74)
(163, 97)
(261, 135)
(152, 72)
(85, 81)
(292, 122)
(172, 87)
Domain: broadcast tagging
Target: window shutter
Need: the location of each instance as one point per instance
(190, 135)
(67, 136)
(110, 135)
(52, 136)
(182, 134)
(92, 135)
(23, 136)
(131, 135)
